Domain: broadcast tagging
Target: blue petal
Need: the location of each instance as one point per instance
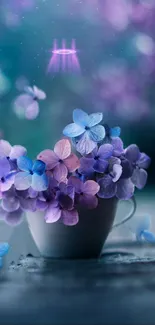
(39, 182)
(4, 247)
(73, 130)
(148, 236)
(115, 132)
(80, 117)
(24, 163)
(97, 133)
(94, 119)
(39, 167)
(143, 223)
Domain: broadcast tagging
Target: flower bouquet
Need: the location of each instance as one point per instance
(61, 189)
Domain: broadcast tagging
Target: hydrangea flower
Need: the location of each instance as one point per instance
(87, 128)
(97, 160)
(62, 208)
(11, 152)
(140, 162)
(140, 227)
(112, 185)
(111, 132)
(61, 160)
(31, 174)
(85, 192)
(6, 176)
(26, 105)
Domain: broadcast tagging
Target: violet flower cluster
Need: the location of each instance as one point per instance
(58, 182)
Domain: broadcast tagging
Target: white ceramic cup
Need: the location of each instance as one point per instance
(84, 240)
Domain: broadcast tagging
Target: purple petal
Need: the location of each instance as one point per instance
(39, 182)
(107, 187)
(88, 201)
(76, 183)
(70, 218)
(60, 172)
(9, 194)
(53, 214)
(23, 181)
(86, 166)
(85, 145)
(40, 94)
(139, 178)
(14, 218)
(117, 172)
(41, 205)
(10, 204)
(6, 185)
(32, 193)
(32, 110)
(118, 146)
(28, 204)
(49, 157)
(17, 151)
(132, 153)
(90, 187)
(5, 148)
(4, 167)
(105, 151)
(144, 161)
(65, 201)
(100, 165)
(113, 161)
(125, 189)
(127, 168)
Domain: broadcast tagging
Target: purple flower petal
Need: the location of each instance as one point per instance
(139, 178)
(6, 185)
(88, 201)
(76, 183)
(28, 204)
(63, 149)
(118, 147)
(14, 218)
(113, 161)
(10, 204)
(97, 133)
(107, 187)
(25, 164)
(117, 172)
(40, 94)
(53, 214)
(125, 189)
(132, 153)
(105, 151)
(32, 110)
(60, 172)
(5, 148)
(70, 218)
(144, 161)
(127, 168)
(32, 193)
(72, 163)
(65, 201)
(39, 182)
(9, 194)
(23, 181)
(17, 151)
(100, 165)
(49, 158)
(4, 167)
(90, 187)
(41, 205)
(86, 166)
(85, 145)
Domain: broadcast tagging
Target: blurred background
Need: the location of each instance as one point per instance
(115, 52)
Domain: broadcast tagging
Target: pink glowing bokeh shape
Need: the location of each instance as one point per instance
(64, 59)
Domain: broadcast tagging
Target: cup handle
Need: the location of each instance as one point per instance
(129, 216)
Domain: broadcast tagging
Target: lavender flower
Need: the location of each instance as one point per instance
(6, 176)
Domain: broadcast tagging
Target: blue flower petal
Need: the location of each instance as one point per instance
(24, 163)
(39, 167)
(94, 119)
(73, 130)
(115, 132)
(97, 133)
(148, 236)
(142, 223)
(4, 247)
(80, 117)
(39, 182)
